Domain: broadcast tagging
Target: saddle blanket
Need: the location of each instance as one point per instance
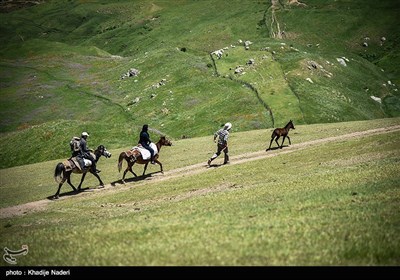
(75, 163)
(145, 153)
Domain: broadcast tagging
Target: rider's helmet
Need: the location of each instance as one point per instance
(85, 134)
(228, 126)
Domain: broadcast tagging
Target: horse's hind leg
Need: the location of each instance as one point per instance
(83, 178)
(131, 170)
(123, 176)
(276, 140)
(69, 183)
(57, 195)
(283, 140)
(145, 167)
(270, 143)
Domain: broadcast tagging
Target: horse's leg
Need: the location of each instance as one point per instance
(131, 170)
(57, 195)
(145, 167)
(98, 178)
(290, 143)
(126, 171)
(270, 143)
(283, 140)
(72, 186)
(69, 182)
(156, 161)
(83, 178)
(276, 140)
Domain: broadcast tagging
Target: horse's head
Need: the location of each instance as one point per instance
(103, 151)
(165, 142)
(291, 125)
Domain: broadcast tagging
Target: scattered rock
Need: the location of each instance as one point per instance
(341, 61)
(377, 99)
(131, 73)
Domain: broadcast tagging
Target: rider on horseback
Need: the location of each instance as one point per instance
(76, 151)
(144, 140)
(85, 152)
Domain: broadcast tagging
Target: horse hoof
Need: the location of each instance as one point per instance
(55, 197)
(101, 186)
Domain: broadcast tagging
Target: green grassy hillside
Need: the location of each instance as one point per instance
(61, 64)
(325, 203)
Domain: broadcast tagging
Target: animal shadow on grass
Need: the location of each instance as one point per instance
(215, 165)
(134, 179)
(276, 148)
(70, 193)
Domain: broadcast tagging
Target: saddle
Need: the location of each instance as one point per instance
(144, 152)
(73, 162)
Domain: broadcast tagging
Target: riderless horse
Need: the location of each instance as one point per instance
(278, 132)
(135, 156)
(70, 166)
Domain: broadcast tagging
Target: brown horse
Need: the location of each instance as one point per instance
(278, 132)
(134, 156)
(69, 166)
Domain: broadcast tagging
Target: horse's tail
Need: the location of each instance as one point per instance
(121, 158)
(58, 171)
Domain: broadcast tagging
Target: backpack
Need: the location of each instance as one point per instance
(75, 144)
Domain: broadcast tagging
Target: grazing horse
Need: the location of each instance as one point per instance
(67, 167)
(278, 132)
(134, 155)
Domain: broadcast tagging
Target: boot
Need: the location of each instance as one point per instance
(226, 160)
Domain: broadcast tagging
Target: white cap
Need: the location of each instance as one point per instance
(85, 134)
(228, 126)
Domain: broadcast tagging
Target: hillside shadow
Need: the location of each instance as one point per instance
(134, 179)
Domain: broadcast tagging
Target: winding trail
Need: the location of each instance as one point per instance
(198, 168)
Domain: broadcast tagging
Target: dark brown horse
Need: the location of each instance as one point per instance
(69, 166)
(134, 156)
(278, 132)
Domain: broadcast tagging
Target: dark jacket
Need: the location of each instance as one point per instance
(84, 149)
(144, 138)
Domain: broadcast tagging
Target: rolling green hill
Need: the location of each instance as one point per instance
(62, 63)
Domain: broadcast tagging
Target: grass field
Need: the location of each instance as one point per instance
(332, 203)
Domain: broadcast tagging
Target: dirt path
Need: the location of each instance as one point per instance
(41, 205)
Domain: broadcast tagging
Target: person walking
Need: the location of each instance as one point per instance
(222, 144)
